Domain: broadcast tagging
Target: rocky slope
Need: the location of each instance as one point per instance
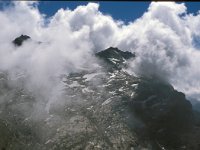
(103, 109)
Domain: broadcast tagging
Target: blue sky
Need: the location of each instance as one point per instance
(126, 11)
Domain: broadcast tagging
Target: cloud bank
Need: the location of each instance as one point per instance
(165, 40)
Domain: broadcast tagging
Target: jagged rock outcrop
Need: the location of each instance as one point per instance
(19, 40)
(115, 58)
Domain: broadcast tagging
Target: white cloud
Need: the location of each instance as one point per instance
(62, 50)
(162, 39)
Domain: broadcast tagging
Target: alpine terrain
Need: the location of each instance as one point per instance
(103, 109)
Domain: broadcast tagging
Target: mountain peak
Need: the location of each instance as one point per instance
(19, 40)
(115, 57)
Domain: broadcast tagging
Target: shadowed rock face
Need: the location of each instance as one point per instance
(166, 112)
(19, 40)
(106, 109)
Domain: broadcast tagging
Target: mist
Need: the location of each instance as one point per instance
(165, 45)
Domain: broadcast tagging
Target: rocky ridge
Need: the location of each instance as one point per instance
(104, 109)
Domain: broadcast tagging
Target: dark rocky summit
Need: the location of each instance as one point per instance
(19, 40)
(115, 58)
(109, 110)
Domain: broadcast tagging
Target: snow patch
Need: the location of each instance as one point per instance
(87, 90)
(114, 60)
(90, 76)
(107, 101)
(74, 84)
